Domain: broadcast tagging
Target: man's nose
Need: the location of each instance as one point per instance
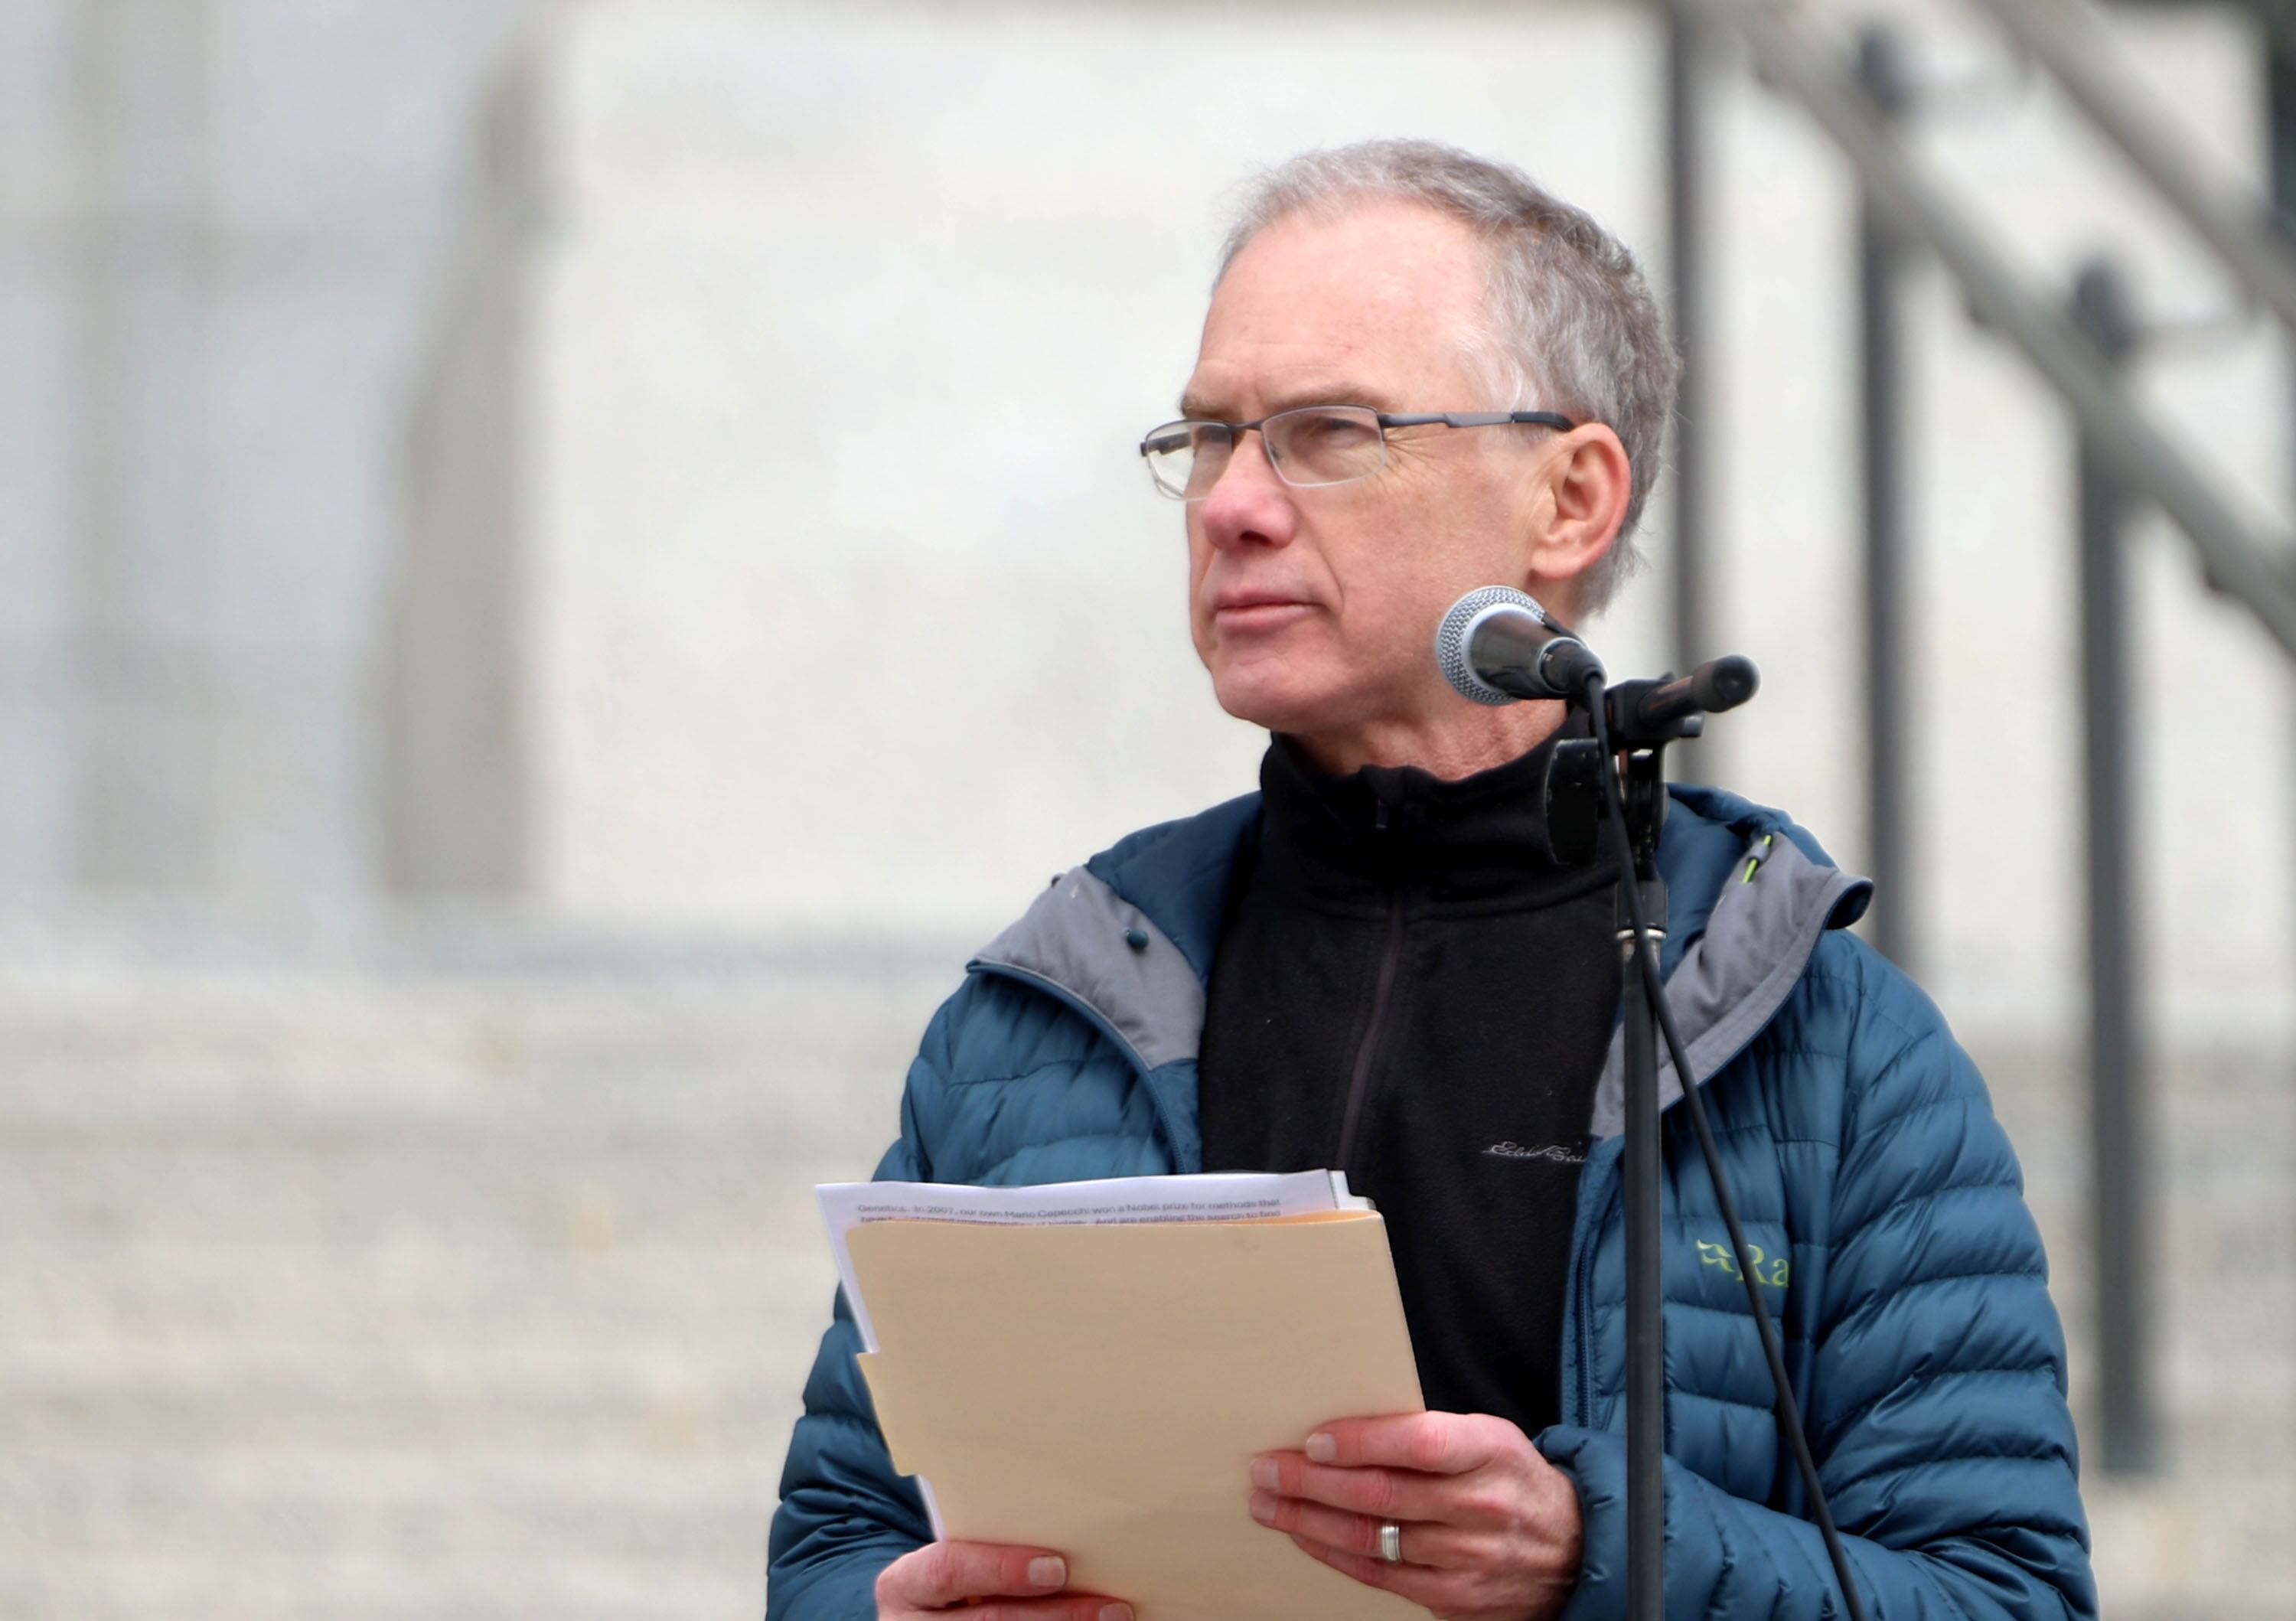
(1248, 503)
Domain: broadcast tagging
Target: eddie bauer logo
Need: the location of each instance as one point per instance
(1554, 1152)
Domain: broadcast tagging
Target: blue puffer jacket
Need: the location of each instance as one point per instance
(1894, 1243)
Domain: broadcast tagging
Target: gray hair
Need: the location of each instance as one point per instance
(1571, 328)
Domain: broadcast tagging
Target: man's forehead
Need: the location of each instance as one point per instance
(1352, 307)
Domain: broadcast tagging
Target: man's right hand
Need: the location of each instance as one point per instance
(1012, 1583)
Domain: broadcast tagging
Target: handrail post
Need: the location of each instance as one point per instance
(2120, 1178)
(2222, 210)
(1685, 196)
(1882, 263)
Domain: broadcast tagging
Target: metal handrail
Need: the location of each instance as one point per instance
(2234, 557)
(2072, 44)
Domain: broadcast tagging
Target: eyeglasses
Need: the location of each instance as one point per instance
(1309, 446)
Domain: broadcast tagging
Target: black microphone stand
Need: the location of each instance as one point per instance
(1644, 789)
(1618, 776)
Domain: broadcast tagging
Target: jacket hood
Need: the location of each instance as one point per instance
(1749, 894)
(1128, 937)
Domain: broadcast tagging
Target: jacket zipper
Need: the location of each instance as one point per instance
(1583, 1290)
(1358, 1081)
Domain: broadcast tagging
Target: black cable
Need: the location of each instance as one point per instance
(1789, 1411)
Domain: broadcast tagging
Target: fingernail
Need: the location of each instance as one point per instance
(1321, 1447)
(1116, 1612)
(1049, 1570)
(1263, 1507)
(1263, 1473)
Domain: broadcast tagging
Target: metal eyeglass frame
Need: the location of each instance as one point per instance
(1386, 420)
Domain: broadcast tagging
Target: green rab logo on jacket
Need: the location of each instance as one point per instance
(1769, 1271)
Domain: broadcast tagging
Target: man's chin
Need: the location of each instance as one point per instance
(1277, 701)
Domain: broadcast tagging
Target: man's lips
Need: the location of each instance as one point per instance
(1251, 610)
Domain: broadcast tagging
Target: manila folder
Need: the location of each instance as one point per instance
(1102, 1391)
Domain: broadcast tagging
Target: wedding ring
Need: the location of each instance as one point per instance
(1390, 1543)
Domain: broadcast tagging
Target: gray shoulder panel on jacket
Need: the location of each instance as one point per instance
(1735, 977)
(1078, 938)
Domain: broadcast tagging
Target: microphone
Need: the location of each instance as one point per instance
(1496, 645)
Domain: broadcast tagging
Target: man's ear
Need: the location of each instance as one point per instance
(1588, 484)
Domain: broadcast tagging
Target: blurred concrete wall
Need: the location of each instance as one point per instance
(221, 223)
(831, 331)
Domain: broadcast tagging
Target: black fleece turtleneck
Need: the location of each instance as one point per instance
(1408, 989)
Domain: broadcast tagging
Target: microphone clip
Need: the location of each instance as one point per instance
(1575, 807)
(1642, 717)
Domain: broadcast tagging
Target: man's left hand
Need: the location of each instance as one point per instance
(1489, 1529)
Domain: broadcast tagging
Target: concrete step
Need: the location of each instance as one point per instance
(568, 1581)
(501, 1187)
(422, 1297)
(151, 1292)
(410, 1502)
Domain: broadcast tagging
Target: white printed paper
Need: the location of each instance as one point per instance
(1211, 1197)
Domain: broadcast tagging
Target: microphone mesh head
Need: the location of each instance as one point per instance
(1459, 622)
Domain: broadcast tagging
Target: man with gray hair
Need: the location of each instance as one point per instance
(1421, 374)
